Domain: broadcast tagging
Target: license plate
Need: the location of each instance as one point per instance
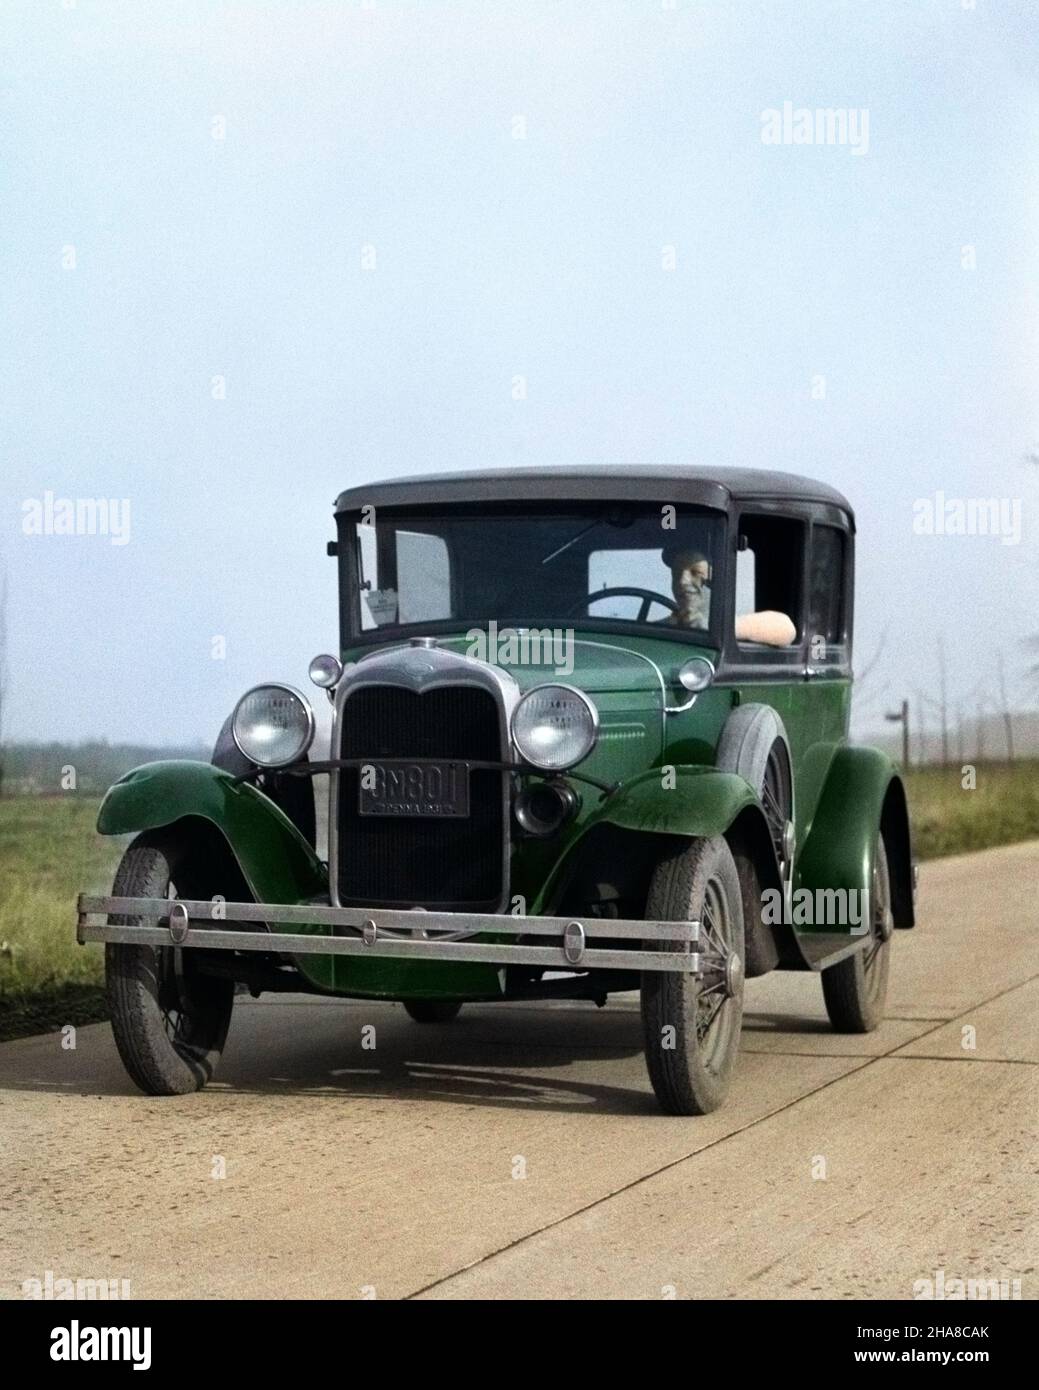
(400, 788)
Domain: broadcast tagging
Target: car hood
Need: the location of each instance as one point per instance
(595, 663)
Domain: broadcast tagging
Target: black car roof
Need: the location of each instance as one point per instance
(707, 487)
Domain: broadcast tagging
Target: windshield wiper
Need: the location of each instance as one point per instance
(573, 540)
(614, 518)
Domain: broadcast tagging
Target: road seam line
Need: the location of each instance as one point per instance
(635, 1182)
(673, 1163)
(932, 1057)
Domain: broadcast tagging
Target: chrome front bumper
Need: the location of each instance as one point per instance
(367, 932)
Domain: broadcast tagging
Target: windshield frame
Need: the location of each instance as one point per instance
(353, 636)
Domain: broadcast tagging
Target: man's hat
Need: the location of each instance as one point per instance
(685, 554)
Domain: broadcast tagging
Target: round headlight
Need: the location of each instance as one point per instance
(696, 674)
(273, 725)
(555, 726)
(326, 671)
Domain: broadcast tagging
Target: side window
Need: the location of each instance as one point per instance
(826, 632)
(404, 577)
(372, 615)
(423, 577)
(769, 581)
(745, 583)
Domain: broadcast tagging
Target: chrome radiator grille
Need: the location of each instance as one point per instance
(434, 862)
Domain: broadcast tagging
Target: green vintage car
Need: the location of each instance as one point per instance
(589, 734)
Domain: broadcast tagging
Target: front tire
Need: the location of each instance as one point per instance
(692, 1025)
(169, 1020)
(855, 989)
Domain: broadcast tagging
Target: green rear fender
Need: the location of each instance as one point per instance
(862, 794)
(277, 863)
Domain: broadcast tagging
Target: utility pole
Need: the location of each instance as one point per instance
(1008, 721)
(901, 716)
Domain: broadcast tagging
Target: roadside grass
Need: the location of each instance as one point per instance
(948, 818)
(50, 851)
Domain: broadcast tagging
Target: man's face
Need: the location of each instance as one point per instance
(689, 573)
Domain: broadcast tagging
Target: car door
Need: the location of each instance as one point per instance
(826, 698)
(770, 546)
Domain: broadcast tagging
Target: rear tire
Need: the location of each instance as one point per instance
(692, 1026)
(432, 1010)
(855, 989)
(169, 1020)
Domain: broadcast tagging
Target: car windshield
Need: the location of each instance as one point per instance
(610, 564)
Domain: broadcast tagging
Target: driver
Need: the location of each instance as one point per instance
(690, 585)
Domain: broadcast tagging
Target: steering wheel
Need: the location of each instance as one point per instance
(648, 597)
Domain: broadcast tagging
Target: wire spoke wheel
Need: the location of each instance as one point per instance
(875, 955)
(169, 1018)
(174, 997)
(692, 1021)
(855, 989)
(777, 796)
(712, 995)
(171, 987)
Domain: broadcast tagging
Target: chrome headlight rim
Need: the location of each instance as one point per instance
(308, 711)
(696, 674)
(589, 705)
(330, 669)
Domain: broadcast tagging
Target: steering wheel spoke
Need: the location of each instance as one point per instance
(648, 597)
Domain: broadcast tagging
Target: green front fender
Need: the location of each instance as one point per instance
(862, 790)
(677, 801)
(278, 864)
(686, 801)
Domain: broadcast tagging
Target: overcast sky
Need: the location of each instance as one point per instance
(578, 194)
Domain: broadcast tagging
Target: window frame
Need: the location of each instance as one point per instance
(741, 663)
(840, 662)
(352, 639)
(756, 659)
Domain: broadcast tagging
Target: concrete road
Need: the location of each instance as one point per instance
(518, 1152)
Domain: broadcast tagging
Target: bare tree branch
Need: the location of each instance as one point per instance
(871, 664)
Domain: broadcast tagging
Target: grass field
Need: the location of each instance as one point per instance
(949, 819)
(49, 851)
